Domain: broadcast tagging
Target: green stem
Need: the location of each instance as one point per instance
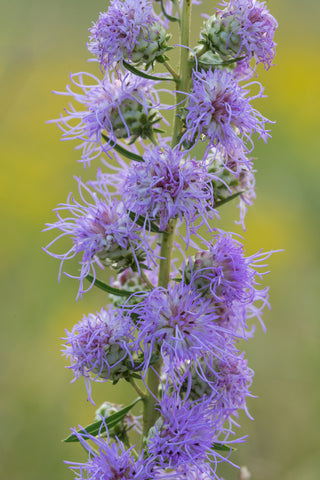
(172, 71)
(146, 280)
(202, 50)
(165, 253)
(150, 414)
(137, 389)
(185, 68)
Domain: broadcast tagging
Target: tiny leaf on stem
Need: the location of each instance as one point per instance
(107, 288)
(100, 426)
(123, 151)
(222, 202)
(137, 72)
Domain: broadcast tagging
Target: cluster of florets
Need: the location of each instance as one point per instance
(244, 28)
(179, 326)
(119, 106)
(168, 185)
(129, 30)
(220, 111)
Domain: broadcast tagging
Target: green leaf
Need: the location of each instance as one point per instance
(99, 427)
(107, 288)
(224, 63)
(137, 72)
(123, 151)
(222, 202)
(169, 17)
(223, 448)
(140, 220)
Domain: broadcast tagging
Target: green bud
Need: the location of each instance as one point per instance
(132, 120)
(151, 46)
(220, 34)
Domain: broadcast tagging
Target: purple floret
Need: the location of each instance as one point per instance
(115, 35)
(112, 106)
(224, 273)
(219, 108)
(101, 231)
(180, 324)
(167, 185)
(108, 461)
(185, 433)
(97, 346)
(256, 28)
(233, 381)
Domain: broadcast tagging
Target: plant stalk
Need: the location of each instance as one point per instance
(150, 414)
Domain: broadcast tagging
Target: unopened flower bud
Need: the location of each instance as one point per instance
(221, 34)
(131, 119)
(151, 46)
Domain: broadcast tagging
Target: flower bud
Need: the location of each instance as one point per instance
(121, 428)
(151, 46)
(119, 257)
(131, 120)
(221, 34)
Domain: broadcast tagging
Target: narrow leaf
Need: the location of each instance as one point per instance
(99, 427)
(140, 220)
(123, 151)
(218, 64)
(222, 202)
(169, 17)
(221, 447)
(137, 72)
(107, 288)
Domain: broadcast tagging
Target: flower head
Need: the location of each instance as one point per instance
(233, 380)
(97, 346)
(232, 176)
(120, 106)
(129, 30)
(220, 110)
(184, 434)
(167, 186)
(243, 28)
(182, 325)
(223, 273)
(101, 230)
(108, 461)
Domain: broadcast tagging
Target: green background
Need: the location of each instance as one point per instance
(40, 43)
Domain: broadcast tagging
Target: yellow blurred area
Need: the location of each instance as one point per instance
(40, 44)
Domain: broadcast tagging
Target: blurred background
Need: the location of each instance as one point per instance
(41, 42)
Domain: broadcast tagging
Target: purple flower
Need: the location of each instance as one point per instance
(97, 346)
(184, 434)
(185, 472)
(108, 461)
(242, 28)
(129, 30)
(224, 274)
(235, 317)
(180, 324)
(121, 106)
(232, 175)
(167, 186)
(233, 380)
(219, 108)
(101, 230)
